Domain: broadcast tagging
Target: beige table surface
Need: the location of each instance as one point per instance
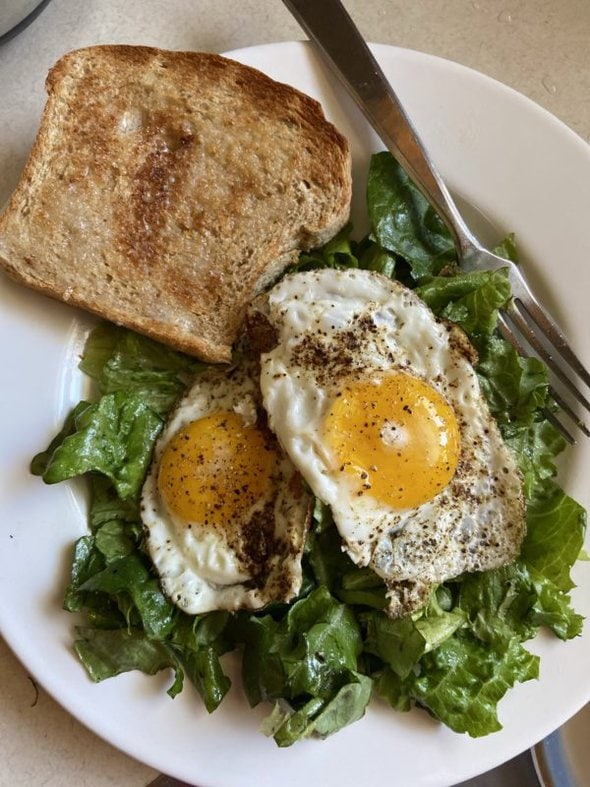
(539, 47)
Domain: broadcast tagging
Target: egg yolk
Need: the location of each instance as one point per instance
(395, 437)
(215, 469)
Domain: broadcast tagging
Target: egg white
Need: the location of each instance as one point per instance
(333, 326)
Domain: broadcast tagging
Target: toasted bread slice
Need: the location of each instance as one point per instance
(165, 189)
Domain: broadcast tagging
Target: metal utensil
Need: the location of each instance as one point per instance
(524, 322)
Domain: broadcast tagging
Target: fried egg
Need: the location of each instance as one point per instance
(377, 403)
(225, 511)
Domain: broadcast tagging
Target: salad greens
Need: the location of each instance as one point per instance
(320, 659)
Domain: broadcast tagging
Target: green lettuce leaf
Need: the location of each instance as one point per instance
(106, 653)
(469, 299)
(515, 387)
(309, 658)
(394, 689)
(462, 681)
(129, 575)
(332, 567)
(106, 505)
(402, 222)
(339, 252)
(87, 561)
(398, 643)
(203, 668)
(41, 461)
(553, 609)
(120, 360)
(555, 536)
(325, 717)
(507, 249)
(114, 437)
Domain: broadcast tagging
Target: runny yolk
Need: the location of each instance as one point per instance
(395, 438)
(214, 469)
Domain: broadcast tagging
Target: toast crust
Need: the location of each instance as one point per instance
(166, 189)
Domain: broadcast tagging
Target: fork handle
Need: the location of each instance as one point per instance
(330, 27)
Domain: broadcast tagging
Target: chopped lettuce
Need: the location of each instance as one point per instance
(308, 661)
(402, 221)
(120, 360)
(318, 660)
(470, 299)
(462, 681)
(113, 437)
(555, 535)
(108, 652)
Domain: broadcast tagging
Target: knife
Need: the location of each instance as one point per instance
(329, 26)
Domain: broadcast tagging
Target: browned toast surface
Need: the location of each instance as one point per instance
(165, 189)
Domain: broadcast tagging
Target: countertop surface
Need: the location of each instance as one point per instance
(538, 47)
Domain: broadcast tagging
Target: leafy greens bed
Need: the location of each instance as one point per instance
(320, 659)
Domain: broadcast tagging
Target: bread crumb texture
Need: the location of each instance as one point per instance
(166, 189)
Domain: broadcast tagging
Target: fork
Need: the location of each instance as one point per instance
(523, 322)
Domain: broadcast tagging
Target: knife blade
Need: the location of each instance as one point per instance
(339, 41)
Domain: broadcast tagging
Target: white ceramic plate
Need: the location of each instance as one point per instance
(525, 172)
